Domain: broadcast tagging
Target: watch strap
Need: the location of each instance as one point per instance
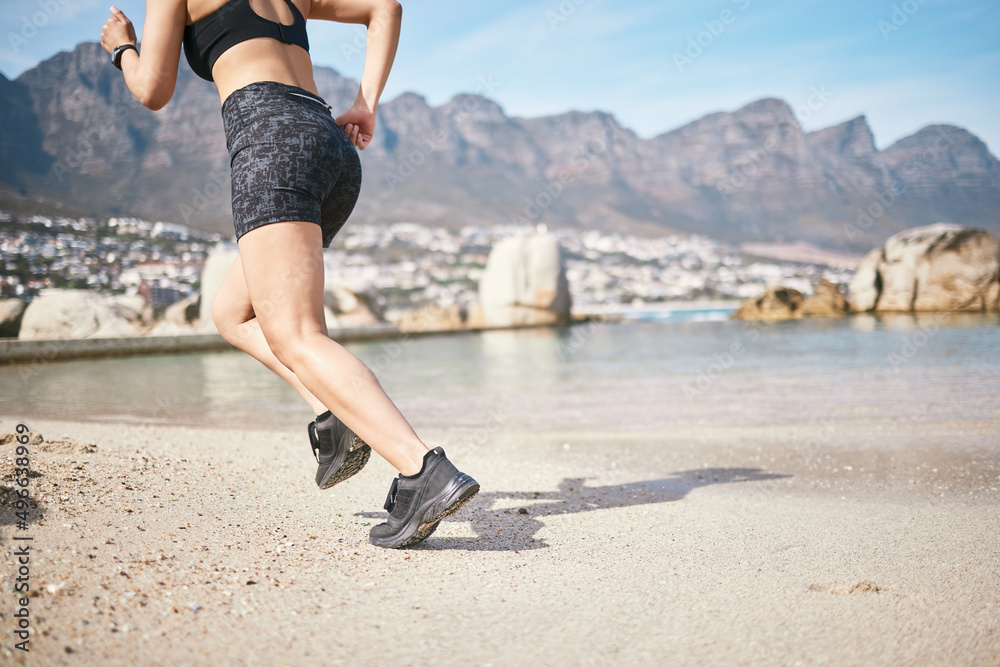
(116, 55)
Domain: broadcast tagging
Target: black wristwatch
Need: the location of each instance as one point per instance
(116, 55)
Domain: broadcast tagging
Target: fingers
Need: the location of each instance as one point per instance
(358, 139)
(352, 132)
(118, 15)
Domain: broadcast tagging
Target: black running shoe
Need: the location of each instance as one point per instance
(417, 504)
(339, 453)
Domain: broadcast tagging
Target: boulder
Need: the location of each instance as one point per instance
(939, 267)
(863, 288)
(184, 313)
(351, 308)
(432, 318)
(961, 272)
(777, 303)
(132, 307)
(216, 266)
(827, 301)
(179, 319)
(11, 312)
(524, 283)
(62, 314)
(331, 319)
(171, 328)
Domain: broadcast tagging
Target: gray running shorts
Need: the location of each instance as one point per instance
(290, 160)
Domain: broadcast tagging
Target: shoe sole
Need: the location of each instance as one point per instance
(461, 490)
(355, 460)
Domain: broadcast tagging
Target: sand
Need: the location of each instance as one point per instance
(183, 546)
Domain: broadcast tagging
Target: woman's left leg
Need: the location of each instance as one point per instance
(236, 321)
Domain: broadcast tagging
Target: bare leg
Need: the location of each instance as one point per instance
(283, 268)
(235, 319)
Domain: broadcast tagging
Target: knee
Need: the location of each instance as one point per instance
(289, 345)
(228, 320)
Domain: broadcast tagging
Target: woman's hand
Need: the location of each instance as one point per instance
(359, 124)
(117, 31)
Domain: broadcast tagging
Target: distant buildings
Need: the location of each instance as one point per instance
(406, 264)
(163, 261)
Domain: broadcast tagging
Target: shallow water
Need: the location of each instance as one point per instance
(635, 376)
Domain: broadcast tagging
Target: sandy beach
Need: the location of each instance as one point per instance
(192, 546)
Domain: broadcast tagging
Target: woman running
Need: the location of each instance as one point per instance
(295, 179)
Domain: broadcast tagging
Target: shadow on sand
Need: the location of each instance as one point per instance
(501, 523)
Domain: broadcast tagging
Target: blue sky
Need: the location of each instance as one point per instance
(654, 64)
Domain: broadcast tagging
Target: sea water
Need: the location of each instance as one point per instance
(647, 374)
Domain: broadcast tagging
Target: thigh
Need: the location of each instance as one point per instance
(283, 270)
(231, 302)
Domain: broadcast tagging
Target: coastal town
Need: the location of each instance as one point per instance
(407, 265)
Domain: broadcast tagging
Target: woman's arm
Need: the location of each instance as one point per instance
(383, 18)
(152, 76)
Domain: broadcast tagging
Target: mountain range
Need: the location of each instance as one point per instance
(72, 139)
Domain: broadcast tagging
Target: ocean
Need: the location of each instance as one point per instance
(652, 373)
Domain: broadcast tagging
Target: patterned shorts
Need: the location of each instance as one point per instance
(290, 160)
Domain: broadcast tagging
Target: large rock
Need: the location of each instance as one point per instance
(11, 312)
(827, 301)
(777, 303)
(935, 268)
(179, 319)
(961, 272)
(524, 283)
(61, 314)
(864, 286)
(432, 318)
(351, 308)
(216, 266)
(132, 307)
(184, 313)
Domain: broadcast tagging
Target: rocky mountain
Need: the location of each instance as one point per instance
(20, 137)
(71, 134)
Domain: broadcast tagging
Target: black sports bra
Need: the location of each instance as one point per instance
(234, 22)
